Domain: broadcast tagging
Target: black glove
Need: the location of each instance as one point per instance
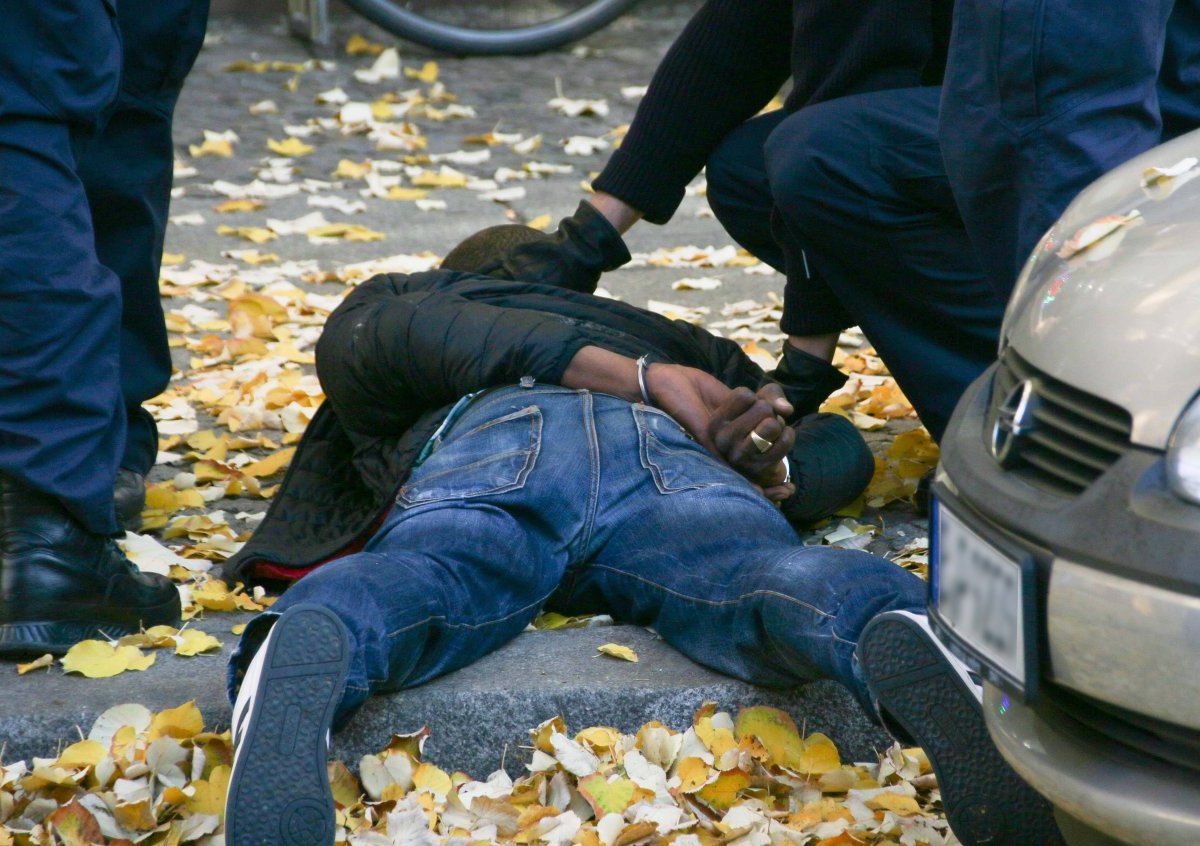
(584, 246)
(807, 381)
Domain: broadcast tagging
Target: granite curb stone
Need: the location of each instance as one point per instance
(479, 717)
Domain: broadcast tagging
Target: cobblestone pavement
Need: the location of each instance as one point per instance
(498, 95)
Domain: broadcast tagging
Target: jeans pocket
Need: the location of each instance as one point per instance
(493, 458)
(675, 461)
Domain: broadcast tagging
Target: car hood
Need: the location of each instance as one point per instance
(1109, 302)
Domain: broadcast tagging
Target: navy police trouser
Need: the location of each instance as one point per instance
(87, 90)
(864, 224)
(1041, 97)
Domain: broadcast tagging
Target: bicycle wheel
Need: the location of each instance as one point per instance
(491, 27)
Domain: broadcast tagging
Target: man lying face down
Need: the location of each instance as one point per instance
(499, 441)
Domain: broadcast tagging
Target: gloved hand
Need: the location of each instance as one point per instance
(807, 380)
(584, 246)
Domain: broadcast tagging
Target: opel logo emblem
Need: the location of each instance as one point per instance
(1014, 420)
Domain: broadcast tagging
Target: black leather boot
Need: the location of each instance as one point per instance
(129, 496)
(60, 584)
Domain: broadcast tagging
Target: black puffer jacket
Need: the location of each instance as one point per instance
(403, 348)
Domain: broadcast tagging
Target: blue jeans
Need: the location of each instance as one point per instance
(546, 497)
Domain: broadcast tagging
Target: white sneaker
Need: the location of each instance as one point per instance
(279, 788)
(935, 698)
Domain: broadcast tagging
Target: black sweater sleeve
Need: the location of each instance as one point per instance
(401, 344)
(726, 65)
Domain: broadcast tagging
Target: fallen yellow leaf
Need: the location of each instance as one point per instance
(46, 660)
(254, 234)
(616, 650)
(348, 169)
(96, 659)
(180, 723)
(85, 753)
(221, 147)
(358, 45)
(398, 193)
(427, 74)
(693, 774)
(209, 795)
(271, 465)
(447, 177)
(194, 642)
(255, 258)
(897, 803)
(349, 231)
(428, 777)
(607, 797)
(290, 147)
(723, 792)
(242, 205)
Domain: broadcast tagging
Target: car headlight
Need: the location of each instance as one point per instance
(1183, 455)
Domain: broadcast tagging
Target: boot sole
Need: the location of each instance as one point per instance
(279, 791)
(39, 636)
(986, 802)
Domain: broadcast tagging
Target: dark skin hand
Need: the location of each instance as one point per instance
(718, 417)
(744, 411)
(689, 395)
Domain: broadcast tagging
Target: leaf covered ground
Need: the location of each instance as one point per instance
(748, 779)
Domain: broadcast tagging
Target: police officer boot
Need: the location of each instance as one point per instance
(129, 496)
(60, 584)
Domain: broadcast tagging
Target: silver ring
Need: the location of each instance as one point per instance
(761, 443)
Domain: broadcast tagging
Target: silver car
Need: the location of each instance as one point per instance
(1066, 554)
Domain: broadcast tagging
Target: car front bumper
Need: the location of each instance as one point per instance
(1114, 789)
(1118, 569)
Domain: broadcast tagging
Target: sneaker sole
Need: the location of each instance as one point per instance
(929, 700)
(279, 791)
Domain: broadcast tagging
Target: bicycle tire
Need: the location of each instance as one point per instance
(463, 41)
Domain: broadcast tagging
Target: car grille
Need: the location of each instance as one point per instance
(1075, 436)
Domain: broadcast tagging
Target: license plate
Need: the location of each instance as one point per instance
(983, 598)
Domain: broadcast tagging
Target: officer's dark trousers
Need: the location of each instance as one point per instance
(1043, 96)
(86, 97)
(850, 199)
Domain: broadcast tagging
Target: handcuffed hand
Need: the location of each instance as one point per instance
(748, 432)
(689, 395)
